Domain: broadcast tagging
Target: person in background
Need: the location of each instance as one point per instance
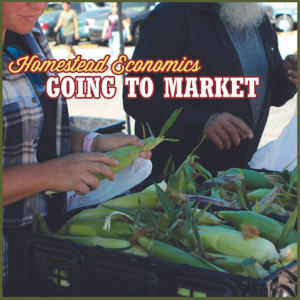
(68, 20)
(111, 24)
(230, 39)
(41, 150)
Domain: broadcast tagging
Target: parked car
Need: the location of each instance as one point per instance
(135, 11)
(49, 19)
(277, 17)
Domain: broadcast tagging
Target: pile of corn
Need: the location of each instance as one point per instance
(161, 223)
(164, 221)
(268, 193)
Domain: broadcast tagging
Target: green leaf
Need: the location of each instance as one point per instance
(288, 227)
(284, 169)
(198, 239)
(242, 195)
(165, 172)
(137, 216)
(169, 122)
(151, 133)
(35, 222)
(172, 181)
(188, 172)
(150, 216)
(293, 178)
(172, 170)
(144, 133)
(194, 150)
(275, 179)
(207, 173)
(43, 225)
(163, 226)
(171, 140)
(166, 203)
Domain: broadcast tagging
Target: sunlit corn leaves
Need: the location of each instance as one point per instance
(288, 227)
(169, 122)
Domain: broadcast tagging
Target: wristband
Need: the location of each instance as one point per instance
(88, 141)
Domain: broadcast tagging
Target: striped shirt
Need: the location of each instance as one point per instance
(22, 121)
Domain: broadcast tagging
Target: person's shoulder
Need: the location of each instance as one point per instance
(74, 12)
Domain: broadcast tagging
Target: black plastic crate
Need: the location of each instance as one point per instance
(101, 272)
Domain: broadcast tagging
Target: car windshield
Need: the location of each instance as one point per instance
(133, 6)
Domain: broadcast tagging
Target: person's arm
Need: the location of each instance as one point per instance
(126, 26)
(105, 142)
(105, 27)
(69, 173)
(75, 20)
(58, 25)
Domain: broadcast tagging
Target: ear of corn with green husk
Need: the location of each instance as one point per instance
(127, 154)
(252, 179)
(267, 227)
(151, 188)
(289, 253)
(266, 201)
(234, 265)
(229, 242)
(111, 243)
(150, 199)
(277, 210)
(166, 252)
(227, 182)
(207, 219)
(94, 227)
(258, 194)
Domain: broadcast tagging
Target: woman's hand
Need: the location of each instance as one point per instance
(74, 172)
(109, 142)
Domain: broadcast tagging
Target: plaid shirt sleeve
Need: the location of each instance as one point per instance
(22, 121)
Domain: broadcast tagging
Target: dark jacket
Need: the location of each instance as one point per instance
(174, 30)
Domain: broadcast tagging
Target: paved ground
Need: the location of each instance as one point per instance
(113, 109)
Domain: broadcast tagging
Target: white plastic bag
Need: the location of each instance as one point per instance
(279, 153)
(124, 180)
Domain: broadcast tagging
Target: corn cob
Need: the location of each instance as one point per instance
(234, 265)
(229, 242)
(126, 155)
(289, 253)
(277, 210)
(261, 193)
(132, 201)
(94, 227)
(267, 227)
(151, 187)
(171, 254)
(137, 250)
(252, 179)
(111, 243)
(98, 214)
(207, 219)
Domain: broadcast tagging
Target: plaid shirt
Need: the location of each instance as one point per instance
(22, 124)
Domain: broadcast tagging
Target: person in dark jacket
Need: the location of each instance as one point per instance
(229, 39)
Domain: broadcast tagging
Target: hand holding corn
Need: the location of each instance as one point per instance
(74, 172)
(110, 142)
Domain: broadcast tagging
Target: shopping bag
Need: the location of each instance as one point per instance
(124, 180)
